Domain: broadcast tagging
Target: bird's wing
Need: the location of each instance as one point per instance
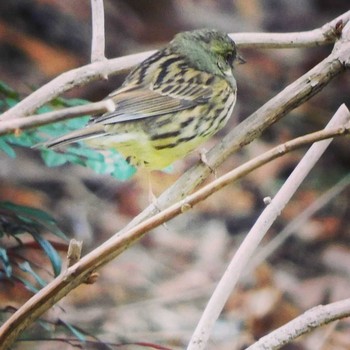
(138, 102)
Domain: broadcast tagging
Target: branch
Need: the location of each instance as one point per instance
(80, 272)
(98, 70)
(327, 34)
(291, 97)
(305, 323)
(13, 125)
(294, 225)
(98, 32)
(70, 79)
(256, 234)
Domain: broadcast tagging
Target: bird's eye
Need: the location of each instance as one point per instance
(230, 57)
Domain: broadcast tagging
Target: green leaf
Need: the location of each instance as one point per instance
(27, 216)
(45, 109)
(52, 158)
(25, 266)
(122, 170)
(112, 164)
(71, 102)
(6, 262)
(24, 139)
(11, 101)
(51, 253)
(77, 123)
(6, 148)
(8, 91)
(77, 333)
(27, 284)
(86, 152)
(97, 166)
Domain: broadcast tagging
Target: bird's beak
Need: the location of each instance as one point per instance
(240, 59)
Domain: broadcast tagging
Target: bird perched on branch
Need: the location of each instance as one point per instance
(169, 104)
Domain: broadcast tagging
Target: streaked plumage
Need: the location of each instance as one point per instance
(169, 104)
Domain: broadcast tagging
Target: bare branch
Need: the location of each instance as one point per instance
(327, 34)
(291, 97)
(98, 70)
(9, 126)
(80, 272)
(70, 79)
(296, 223)
(98, 31)
(305, 323)
(256, 234)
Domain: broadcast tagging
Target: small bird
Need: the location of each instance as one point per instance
(169, 104)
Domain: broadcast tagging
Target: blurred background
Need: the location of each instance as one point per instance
(156, 291)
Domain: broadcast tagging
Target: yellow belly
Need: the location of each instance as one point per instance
(139, 151)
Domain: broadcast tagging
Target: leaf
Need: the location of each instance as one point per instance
(77, 333)
(27, 216)
(123, 173)
(6, 262)
(25, 266)
(51, 253)
(71, 102)
(112, 164)
(122, 170)
(6, 148)
(24, 139)
(85, 152)
(8, 91)
(45, 109)
(97, 166)
(77, 123)
(27, 284)
(52, 158)
(11, 101)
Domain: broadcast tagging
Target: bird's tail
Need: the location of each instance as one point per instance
(88, 132)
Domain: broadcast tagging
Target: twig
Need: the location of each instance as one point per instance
(296, 223)
(258, 231)
(328, 33)
(9, 126)
(74, 251)
(71, 79)
(289, 98)
(80, 76)
(98, 32)
(78, 273)
(305, 323)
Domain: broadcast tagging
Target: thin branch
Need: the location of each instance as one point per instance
(296, 223)
(70, 79)
(80, 272)
(289, 98)
(97, 70)
(256, 234)
(327, 34)
(98, 31)
(305, 323)
(13, 125)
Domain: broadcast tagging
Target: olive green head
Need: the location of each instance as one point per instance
(207, 49)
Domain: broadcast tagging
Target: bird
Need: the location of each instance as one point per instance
(169, 104)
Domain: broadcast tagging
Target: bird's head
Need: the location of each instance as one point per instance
(208, 50)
